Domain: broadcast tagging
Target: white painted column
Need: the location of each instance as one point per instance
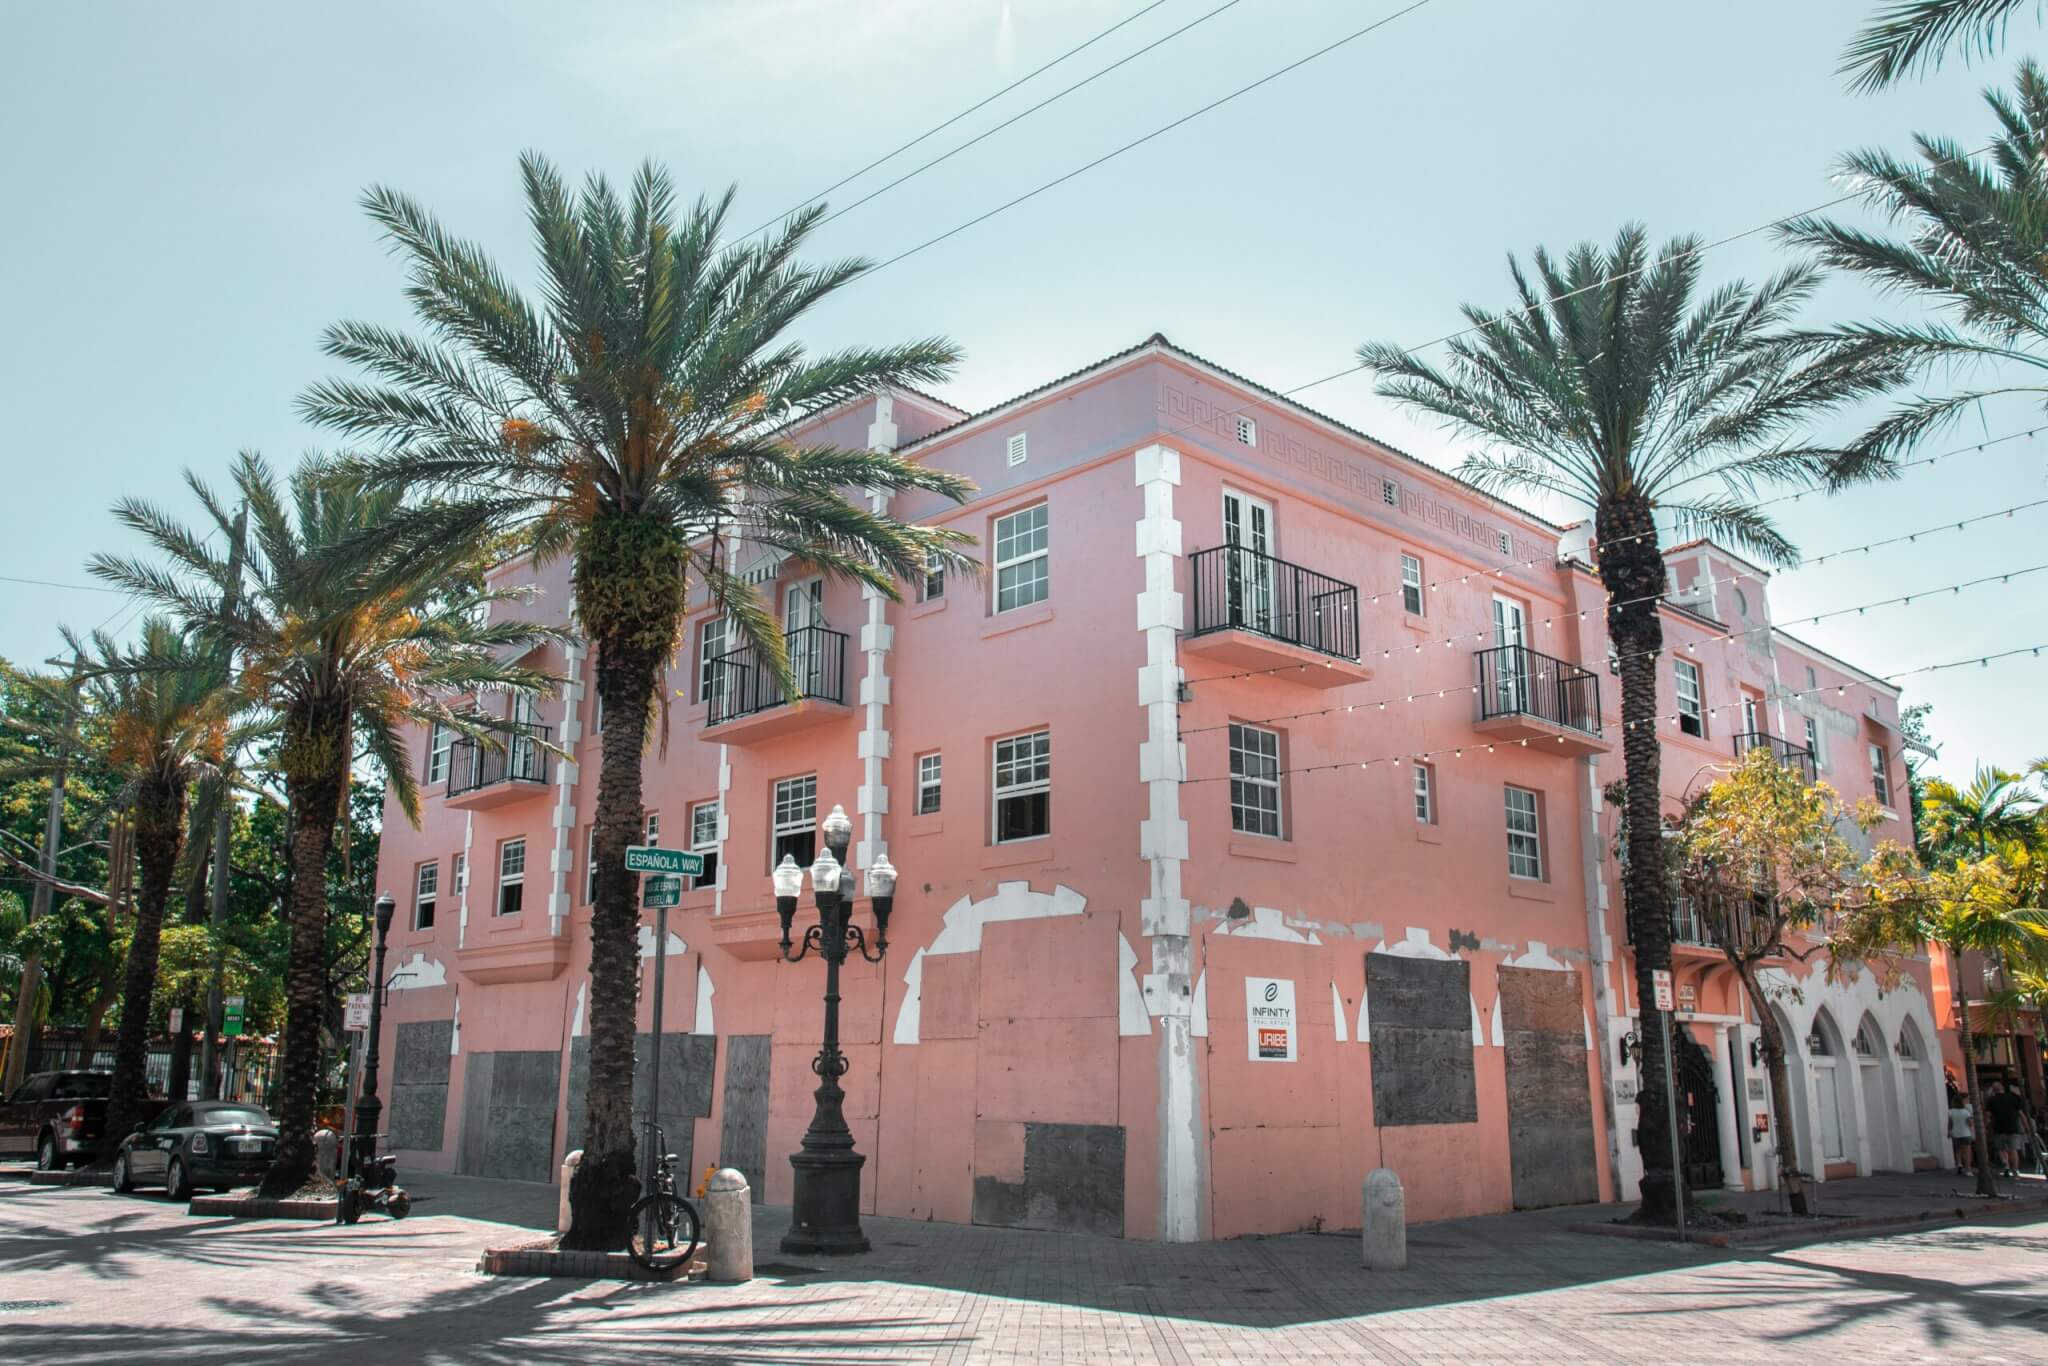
(562, 860)
(1599, 954)
(1728, 1114)
(1163, 844)
(468, 871)
(877, 637)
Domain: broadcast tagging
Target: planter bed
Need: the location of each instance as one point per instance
(82, 1176)
(542, 1258)
(251, 1206)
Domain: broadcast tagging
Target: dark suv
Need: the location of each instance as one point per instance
(219, 1143)
(57, 1116)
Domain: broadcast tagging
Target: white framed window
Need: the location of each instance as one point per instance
(711, 643)
(440, 743)
(1023, 787)
(650, 826)
(1812, 680)
(1691, 719)
(1411, 585)
(426, 889)
(1749, 716)
(511, 877)
(931, 585)
(1016, 449)
(1247, 431)
(1022, 560)
(1813, 740)
(1390, 493)
(794, 821)
(590, 866)
(458, 873)
(704, 840)
(1425, 794)
(928, 774)
(1525, 834)
(1255, 781)
(1880, 775)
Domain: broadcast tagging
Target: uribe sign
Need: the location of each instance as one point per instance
(1269, 1019)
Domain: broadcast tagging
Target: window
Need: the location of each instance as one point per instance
(1425, 794)
(1016, 449)
(440, 741)
(1813, 740)
(458, 873)
(590, 867)
(794, 830)
(1411, 585)
(1812, 680)
(596, 712)
(704, 840)
(710, 645)
(1021, 559)
(1741, 604)
(928, 784)
(1247, 432)
(1023, 787)
(1390, 494)
(511, 877)
(426, 887)
(1880, 775)
(1525, 835)
(1690, 718)
(931, 585)
(1749, 715)
(651, 826)
(1255, 781)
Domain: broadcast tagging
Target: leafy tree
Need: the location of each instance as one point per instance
(636, 417)
(1996, 807)
(1616, 382)
(338, 647)
(1911, 36)
(1970, 236)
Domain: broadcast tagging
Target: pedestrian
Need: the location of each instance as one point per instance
(2007, 1111)
(1961, 1129)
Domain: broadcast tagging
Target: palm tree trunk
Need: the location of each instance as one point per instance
(1632, 570)
(629, 592)
(315, 762)
(1987, 1179)
(159, 830)
(1791, 1178)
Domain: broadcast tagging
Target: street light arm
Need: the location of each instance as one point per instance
(859, 941)
(814, 938)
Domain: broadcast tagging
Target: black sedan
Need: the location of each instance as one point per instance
(218, 1143)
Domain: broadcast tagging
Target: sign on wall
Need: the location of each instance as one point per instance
(1270, 1024)
(355, 1012)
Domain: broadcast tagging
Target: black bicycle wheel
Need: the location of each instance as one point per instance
(664, 1232)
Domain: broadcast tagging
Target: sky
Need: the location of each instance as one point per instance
(183, 187)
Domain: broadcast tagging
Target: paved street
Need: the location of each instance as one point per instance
(89, 1277)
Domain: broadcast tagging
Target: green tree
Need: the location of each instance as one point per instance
(338, 647)
(1616, 382)
(1996, 807)
(1968, 241)
(637, 417)
(1911, 36)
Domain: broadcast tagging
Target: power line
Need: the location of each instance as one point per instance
(941, 127)
(52, 583)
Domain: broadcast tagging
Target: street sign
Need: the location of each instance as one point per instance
(661, 891)
(355, 1014)
(231, 1017)
(1661, 981)
(177, 1018)
(646, 858)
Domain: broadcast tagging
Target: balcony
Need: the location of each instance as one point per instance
(1255, 612)
(1525, 695)
(1792, 756)
(483, 775)
(747, 702)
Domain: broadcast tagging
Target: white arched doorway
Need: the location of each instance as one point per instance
(1880, 1102)
(1920, 1114)
(1834, 1105)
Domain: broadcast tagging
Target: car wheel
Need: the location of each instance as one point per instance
(123, 1182)
(176, 1185)
(46, 1154)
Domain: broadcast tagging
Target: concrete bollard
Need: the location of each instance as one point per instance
(1385, 1222)
(326, 1148)
(729, 1226)
(569, 1166)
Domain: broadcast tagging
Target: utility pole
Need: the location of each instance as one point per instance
(217, 917)
(39, 906)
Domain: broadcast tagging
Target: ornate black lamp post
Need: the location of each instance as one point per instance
(825, 1213)
(369, 1109)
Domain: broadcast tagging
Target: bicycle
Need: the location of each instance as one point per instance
(665, 1225)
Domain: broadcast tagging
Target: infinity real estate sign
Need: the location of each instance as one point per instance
(1269, 1020)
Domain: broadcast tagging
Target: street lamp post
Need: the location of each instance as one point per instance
(825, 1207)
(369, 1109)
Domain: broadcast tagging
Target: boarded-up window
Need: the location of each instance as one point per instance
(1421, 1021)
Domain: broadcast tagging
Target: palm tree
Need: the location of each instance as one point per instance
(1914, 35)
(1997, 806)
(1972, 237)
(341, 653)
(637, 419)
(156, 719)
(1616, 383)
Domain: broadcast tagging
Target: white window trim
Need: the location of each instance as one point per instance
(1423, 780)
(999, 792)
(1682, 669)
(1017, 448)
(707, 845)
(505, 879)
(1534, 834)
(429, 897)
(1271, 784)
(1881, 775)
(1247, 431)
(440, 752)
(1044, 552)
(705, 654)
(590, 865)
(778, 825)
(930, 778)
(1413, 562)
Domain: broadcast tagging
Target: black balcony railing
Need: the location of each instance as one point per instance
(1784, 751)
(518, 757)
(1688, 926)
(1515, 680)
(738, 685)
(1238, 589)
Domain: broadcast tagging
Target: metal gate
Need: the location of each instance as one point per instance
(1699, 1127)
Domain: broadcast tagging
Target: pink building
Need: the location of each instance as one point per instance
(1187, 938)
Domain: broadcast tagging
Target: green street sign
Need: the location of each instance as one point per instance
(231, 1016)
(657, 892)
(646, 858)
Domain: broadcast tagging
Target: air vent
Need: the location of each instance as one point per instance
(1247, 432)
(1017, 449)
(1505, 542)
(1389, 494)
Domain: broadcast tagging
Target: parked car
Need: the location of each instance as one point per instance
(57, 1116)
(216, 1143)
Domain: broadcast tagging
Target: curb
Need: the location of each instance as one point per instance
(1819, 1228)
(545, 1259)
(83, 1176)
(250, 1207)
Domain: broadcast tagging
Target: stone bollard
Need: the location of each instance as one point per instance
(569, 1166)
(326, 1148)
(729, 1226)
(1386, 1222)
